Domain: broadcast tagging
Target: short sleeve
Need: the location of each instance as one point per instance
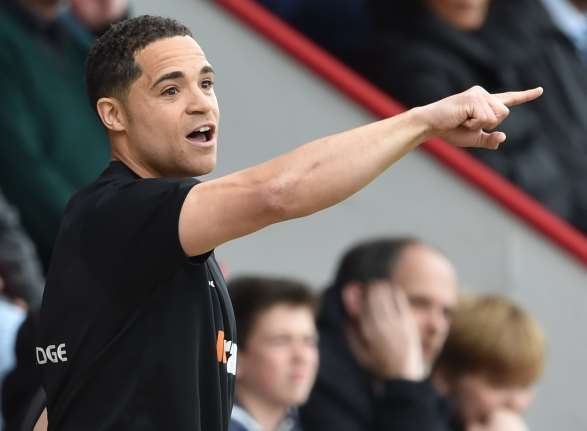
(130, 231)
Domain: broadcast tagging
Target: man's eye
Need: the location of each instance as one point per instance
(278, 340)
(207, 84)
(171, 91)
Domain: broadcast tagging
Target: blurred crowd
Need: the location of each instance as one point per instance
(421, 50)
(391, 343)
(395, 346)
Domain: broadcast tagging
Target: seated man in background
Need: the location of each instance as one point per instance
(54, 144)
(493, 356)
(278, 356)
(432, 48)
(382, 323)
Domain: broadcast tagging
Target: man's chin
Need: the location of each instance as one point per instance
(202, 168)
(203, 171)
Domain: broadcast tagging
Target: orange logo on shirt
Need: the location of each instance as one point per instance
(226, 352)
(220, 352)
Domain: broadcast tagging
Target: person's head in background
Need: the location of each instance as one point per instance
(44, 9)
(426, 276)
(492, 358)
(98, 15)
(278, 354)
(465, 15)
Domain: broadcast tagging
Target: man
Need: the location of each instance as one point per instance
(54, 144)
(429, 49)
(382, 324)
(529, 50)
(493, 357)
(278, 352)
(135, 304)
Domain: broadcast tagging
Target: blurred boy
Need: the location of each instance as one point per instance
(492, 358)
(278, 356)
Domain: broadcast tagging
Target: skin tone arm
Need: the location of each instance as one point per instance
(42, 423)
(326, 171)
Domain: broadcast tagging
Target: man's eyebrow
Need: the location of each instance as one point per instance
(171, 75)
(178, 74)
(207, 69)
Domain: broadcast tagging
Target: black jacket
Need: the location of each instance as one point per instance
(423, 58)
(346, 398)
(539, 53)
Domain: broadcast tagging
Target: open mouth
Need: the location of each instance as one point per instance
(201, 134)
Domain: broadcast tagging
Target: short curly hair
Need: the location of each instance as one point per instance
(111, 66)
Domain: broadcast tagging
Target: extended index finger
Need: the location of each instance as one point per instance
(513, 98)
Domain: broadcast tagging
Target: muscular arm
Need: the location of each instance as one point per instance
(326, 171)
(310, 178)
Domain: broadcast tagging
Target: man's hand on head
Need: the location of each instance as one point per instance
(389, 334)
(470, 119)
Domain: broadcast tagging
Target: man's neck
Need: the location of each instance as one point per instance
(46, 10)
(268, 415)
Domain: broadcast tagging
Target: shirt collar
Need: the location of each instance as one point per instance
(243, 417)
(570, 20)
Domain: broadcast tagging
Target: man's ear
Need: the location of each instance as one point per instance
(352, 299)
(112, 114)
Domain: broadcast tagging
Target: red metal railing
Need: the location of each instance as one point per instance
(381, 105)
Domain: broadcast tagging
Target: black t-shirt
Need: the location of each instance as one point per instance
(135, 335)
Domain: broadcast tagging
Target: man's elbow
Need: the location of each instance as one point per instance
(279, 199)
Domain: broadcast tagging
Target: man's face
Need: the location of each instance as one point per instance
(171, 109)
(463, 14)
(477, 399)
(278, 366)
(430, 283)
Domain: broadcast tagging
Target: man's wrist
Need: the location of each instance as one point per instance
(421, 120)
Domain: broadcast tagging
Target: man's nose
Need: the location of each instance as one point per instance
(199, 102)
(301, 352)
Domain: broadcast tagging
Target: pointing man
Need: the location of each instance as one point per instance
(128, 292)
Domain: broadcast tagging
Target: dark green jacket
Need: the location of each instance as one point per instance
(51, 142)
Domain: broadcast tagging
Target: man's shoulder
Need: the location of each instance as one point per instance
(119, 180)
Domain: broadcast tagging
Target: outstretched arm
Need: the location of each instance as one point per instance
(326, 171)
